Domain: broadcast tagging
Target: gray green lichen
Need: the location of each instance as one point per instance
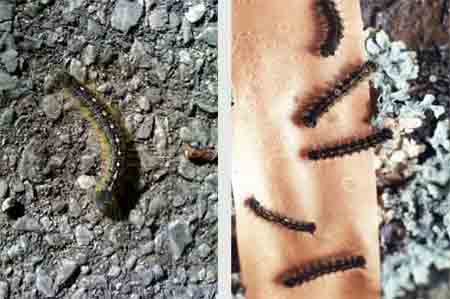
(423, 203)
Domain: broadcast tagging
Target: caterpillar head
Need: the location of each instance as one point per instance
(309, 119)
(108, 204)
(59, 79)
(103, 200)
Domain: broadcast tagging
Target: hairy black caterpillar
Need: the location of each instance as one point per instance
(310, 115)
(331, 25)
(321, 267)
(112, 140)
(289, 223)
(353, 146)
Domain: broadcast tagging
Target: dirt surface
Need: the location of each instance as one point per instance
(156, 62)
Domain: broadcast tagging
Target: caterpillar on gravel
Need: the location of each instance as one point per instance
(315, 269)
(353, 146)
(111, 137)
(271, 216)
(310, 114)
(331, 26)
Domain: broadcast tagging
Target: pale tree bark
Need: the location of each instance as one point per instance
(274, 69)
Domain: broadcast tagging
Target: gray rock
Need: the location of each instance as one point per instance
(178, 200)
(174, 20)
(94, 29)
(9, 205)
(145, 129)
(209, 35)
(186, 29)
(44, 284)
(158, 272)
(161, 134)
(204, 250)
(146, 249)
(131, 262)
(27, 224)
(4, 290)
(7, 117)
(87, 162)
(31, 162)
(52, 105)
(86, 182)
(3, 188)
(187, 169)
(137, 218)
(9, 60)
(149, 161)
(126, 14)
(46, 2)
(18, 249)
(157, 204)
(154, 95)
(89, 55)
(17, 186)
(83, 235)
(158, 19)
(114, 271)
(146, 275)
(71, 5)
(139, 54)
(118, 235)
(6, 11)
(138, 118)
(7, 82)
(74, 208)
(80, 294)
(207, 105)
(195, 13)
(144, 103)
(66, 270)
(77, 70)
(29, 191)
(179, 237)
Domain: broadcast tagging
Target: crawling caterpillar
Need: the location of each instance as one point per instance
(331, 26)
(354, 146)
(289, 223)
(321, 267)
(311, 113)
(112, 139)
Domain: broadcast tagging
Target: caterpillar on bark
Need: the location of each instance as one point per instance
(331, 26)
(312, 112)
(275, 217)
(351, 147)
(318, 268)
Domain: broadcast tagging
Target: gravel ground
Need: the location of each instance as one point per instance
(156, 61)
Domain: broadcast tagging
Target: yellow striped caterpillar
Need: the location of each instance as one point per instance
(112, 141)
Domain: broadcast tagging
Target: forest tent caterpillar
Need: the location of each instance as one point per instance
(321, 267)
(310, 115)
(271, 216)
(331, 26)
(111, 137)
(353, 146)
